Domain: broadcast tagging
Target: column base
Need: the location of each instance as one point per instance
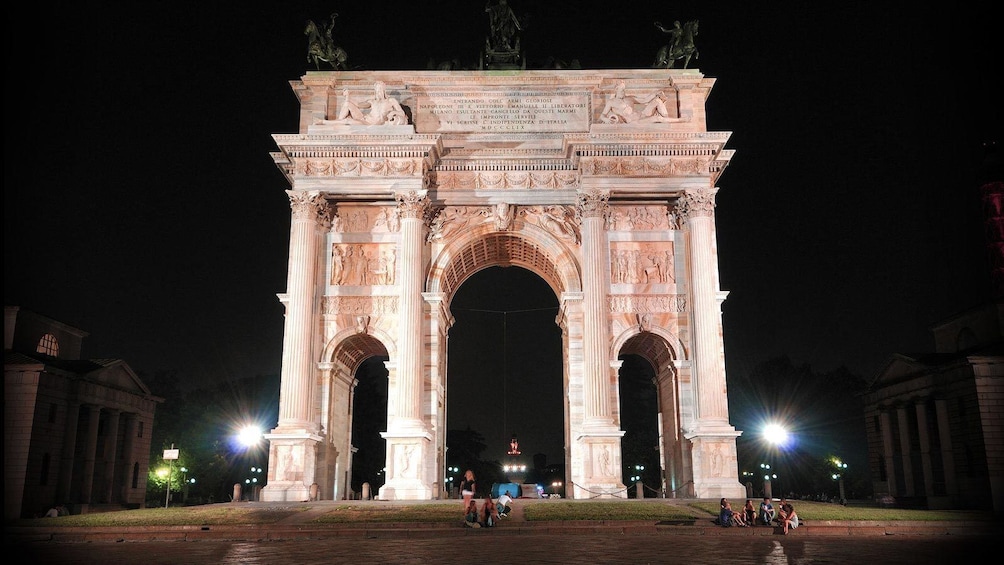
(405, 490)
(596, 489)
(285, 492)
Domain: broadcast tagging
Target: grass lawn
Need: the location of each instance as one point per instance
(449, 511)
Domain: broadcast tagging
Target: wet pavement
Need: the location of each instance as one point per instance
(299, 539)
(489, 546)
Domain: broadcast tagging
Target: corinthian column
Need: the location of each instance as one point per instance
(309, 213)
(412, 208)
(596, 367)
(698, 207)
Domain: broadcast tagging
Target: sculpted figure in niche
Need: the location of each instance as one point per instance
(288, 466)
(621, 108)
(383, 110)
(388, 263)
(387, 219)
(503, 214)
(337, 265)
(449, 220)
(605, 461)
(405, 463)
(560, 221)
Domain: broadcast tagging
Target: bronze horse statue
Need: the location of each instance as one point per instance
(321, 47)
(681, 45)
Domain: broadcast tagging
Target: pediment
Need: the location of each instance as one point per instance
(897, 368)
(116, 373)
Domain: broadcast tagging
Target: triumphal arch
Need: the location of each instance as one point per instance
(402, 184)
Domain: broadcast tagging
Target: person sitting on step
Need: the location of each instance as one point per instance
(491, 513)
(471, 514)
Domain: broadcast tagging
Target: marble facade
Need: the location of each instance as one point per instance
(602, 182)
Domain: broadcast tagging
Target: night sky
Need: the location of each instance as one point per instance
(141, 204)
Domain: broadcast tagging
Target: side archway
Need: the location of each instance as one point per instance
(650, 410)
(341, 361)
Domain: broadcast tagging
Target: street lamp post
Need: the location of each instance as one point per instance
(838, 476)
(776, 435)
(768, 476)
(172, 456)
(451, 475)
(748, 483)
(555, 487)
(252, 482)
(636, 479)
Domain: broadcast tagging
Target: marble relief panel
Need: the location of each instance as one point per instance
(363, 264)
(642, 263)
(359, 219)
(628, 218)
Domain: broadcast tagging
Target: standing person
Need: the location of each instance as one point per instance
(503, 504)
(790, 517)
(468, 487)
(766, 513)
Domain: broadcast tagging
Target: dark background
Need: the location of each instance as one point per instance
(141, 203)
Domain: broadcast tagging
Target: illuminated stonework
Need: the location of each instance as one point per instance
(529, 169)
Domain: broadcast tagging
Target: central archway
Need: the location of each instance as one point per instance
(504, 374)
(469, 257)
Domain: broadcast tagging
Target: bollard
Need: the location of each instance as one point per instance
(639, 490)
(366, 491)
(313, 491)
(237, 493)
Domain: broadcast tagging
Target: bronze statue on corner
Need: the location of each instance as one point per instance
(321, 46)
(680, 46)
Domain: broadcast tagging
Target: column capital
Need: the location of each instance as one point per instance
(309, 206)
(699, 202)
(592, 203)
(412, 203)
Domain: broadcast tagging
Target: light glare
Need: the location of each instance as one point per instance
(249, 435)
(775, 434)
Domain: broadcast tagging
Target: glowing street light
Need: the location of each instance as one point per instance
(838, 476)
(768, 476)
(249, 436)
(776, 434)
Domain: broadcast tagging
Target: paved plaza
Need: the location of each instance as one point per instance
(493, 546)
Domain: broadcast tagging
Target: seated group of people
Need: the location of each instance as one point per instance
(785, 516)
(491, 511)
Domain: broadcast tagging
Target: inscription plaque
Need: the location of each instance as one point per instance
(509, 111)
